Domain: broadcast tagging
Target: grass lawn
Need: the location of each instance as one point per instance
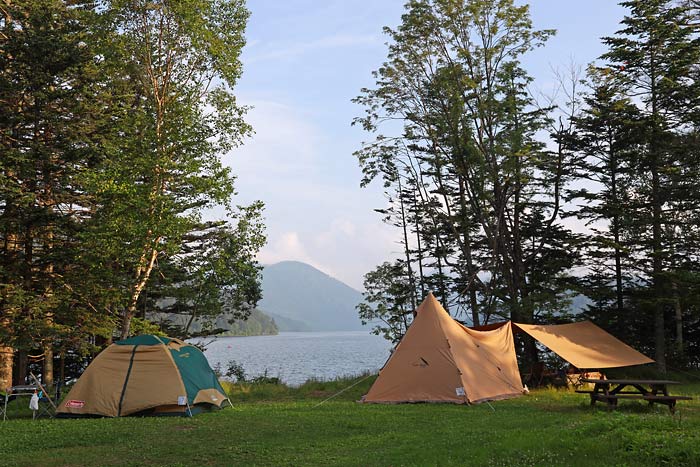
(278, 426)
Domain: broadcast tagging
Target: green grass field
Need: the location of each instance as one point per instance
(273, 425)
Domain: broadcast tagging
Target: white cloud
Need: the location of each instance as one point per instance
(340, 230)
(344, 250)
(251, 43)
(315, 210)
(283, 142)
(290, 51)
(285, 247)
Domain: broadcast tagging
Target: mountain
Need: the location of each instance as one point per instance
(310, 298)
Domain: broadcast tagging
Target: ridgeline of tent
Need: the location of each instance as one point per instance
(440, 360)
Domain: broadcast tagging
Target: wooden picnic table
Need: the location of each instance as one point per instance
(651, 390)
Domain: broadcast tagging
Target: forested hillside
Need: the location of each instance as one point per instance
(225, 323)
(257, 324)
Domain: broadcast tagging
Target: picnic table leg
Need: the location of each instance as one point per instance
(672, 402)
(612, 404)
(655, 389)
(594, 395)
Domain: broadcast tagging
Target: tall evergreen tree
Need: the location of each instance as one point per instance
(51, 110)
(214, 273)
(387, 301)
(113, 117)
(608, 135)
(656, 56)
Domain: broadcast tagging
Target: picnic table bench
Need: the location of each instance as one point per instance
(653, 391)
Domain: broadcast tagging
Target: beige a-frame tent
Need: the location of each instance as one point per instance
(439, 360)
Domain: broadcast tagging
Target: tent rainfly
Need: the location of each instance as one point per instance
(585, 345)
(145, 375)
(439, 360)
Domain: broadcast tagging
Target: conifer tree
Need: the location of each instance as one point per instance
(608, 135)
(656, 57)
(51, 110)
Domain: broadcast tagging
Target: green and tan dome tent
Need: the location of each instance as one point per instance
(145, 375)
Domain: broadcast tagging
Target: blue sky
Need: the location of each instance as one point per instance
(305, 60)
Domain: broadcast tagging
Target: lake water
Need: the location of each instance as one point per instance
(295, 357)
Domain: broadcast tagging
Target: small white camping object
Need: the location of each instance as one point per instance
(34, 402)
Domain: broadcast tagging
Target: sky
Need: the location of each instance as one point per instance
(303, 63)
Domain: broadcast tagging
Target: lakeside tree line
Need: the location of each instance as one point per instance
(114, 115)
(511, 204)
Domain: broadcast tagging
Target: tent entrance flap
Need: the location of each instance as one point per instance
(585, 345)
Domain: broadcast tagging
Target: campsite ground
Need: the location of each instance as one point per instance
(275, 425)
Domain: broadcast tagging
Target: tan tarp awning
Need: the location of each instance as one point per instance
(585, 345)
(439, 360)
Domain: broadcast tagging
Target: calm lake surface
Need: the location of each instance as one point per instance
(295, 357)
